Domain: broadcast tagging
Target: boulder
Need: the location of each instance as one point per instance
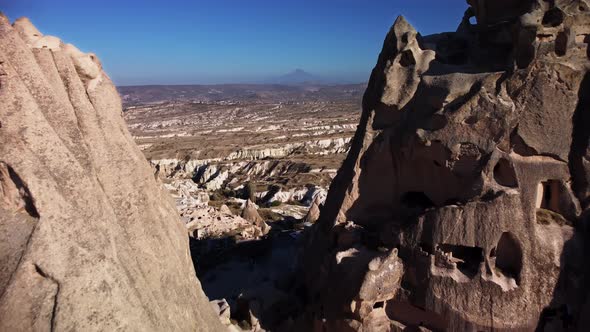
(250, 213)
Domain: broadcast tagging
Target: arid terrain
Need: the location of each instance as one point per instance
(249, 167)
(455, 197)
(286, 142)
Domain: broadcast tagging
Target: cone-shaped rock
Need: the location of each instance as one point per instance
(88, 239)
(250, 213)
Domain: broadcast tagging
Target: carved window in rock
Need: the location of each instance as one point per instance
(508, 257)
(554, 203)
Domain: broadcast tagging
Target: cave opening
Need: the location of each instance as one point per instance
(561, 43)
(509, 257)
(416, 200)
(549, 194)
(504, 174)
(468, 259)
(407, 59)
(553, 17)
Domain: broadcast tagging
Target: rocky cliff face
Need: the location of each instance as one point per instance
(88, 239)
(460, 205)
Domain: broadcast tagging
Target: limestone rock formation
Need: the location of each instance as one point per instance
(88, 239)
(250, 213)
(461, 203)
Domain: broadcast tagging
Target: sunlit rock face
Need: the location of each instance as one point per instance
(460, 204)
(89, 241)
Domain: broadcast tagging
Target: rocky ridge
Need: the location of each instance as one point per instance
(462, 203)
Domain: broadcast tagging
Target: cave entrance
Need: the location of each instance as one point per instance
(416, 200)
(468, 259)
(504, 174)
(549, 195)
(508, 256)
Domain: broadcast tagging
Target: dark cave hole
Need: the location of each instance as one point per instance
(504, 174)
(549, 197)
(427, 247)
(407, 59)
(469, 258)
(416, 199)
(509, 256)
(561, 43)
(379, 304)
(553, 17)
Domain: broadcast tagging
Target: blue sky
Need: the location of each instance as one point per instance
(231, 41)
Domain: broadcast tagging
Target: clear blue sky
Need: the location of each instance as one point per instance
(225, 41)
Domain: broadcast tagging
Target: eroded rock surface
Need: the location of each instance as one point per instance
(460, 204)
(88, 238)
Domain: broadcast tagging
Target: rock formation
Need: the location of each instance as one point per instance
(250, 213)
(209, 222)
(224, 209)
(88, 239)
(460, 205)
(314, 211)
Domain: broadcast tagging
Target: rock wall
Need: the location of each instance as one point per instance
(460, 205)
(88, 239)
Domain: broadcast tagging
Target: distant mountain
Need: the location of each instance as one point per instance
(266, 93)
(297, 77)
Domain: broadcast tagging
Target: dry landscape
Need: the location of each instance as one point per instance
(284, 142)
(455, 197)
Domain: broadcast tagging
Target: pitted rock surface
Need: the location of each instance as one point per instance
(461, 204)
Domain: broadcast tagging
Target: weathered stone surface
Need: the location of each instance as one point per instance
(250, 213)
(314, 211)
(461, 203)
(88, 238)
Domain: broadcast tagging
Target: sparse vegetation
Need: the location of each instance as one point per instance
(269, 215)
(293, 202)
(216, 196)
(546, 217)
